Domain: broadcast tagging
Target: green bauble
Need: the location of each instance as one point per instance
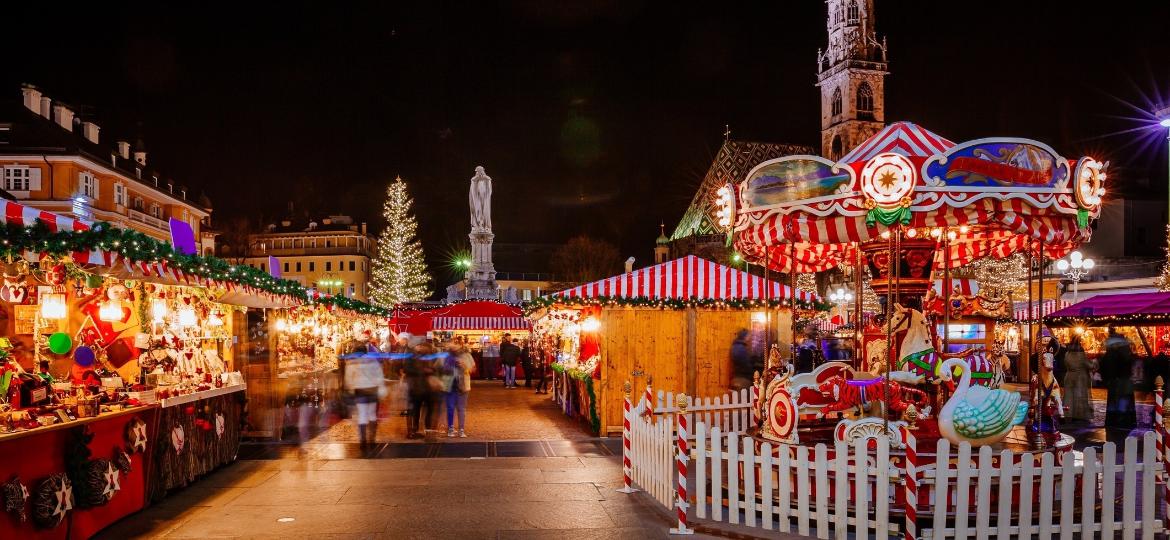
(60, 343)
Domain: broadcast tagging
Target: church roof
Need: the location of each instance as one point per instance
(904, 138)
(731, 165)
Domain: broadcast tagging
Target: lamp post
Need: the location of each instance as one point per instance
(842, 298)
(330, 283)
(1163, 116)
(1075, 268)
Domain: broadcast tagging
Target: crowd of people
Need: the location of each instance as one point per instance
(423, 379)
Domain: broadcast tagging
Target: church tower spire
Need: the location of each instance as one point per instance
(851, 74)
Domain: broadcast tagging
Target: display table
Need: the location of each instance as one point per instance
(191, 443)
(35, 454)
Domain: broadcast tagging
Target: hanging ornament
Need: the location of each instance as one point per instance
(60, 343)
(219, 426)
(178, 439)
(14, 290)
(16, 498)
(136, 435)
(100, 482)
(52, 500)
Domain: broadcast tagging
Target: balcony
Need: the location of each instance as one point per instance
(148, 220)
(305, 251)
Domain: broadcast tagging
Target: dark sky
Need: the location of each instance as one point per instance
(591, 117)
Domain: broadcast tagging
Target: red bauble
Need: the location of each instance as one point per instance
(190, 410)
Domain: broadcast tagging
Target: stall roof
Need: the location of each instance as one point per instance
(1137, 309)
(475, 315)
(688, 278)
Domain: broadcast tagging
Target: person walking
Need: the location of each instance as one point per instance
(422, 386)
(460, 365)
(509, 356)
(526, 353)
(741, 361)
(1117, 373)
(541, 364)
(491, 358)
(1078, 378)
(364, 379)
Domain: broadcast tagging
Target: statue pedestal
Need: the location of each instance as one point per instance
(481, 278)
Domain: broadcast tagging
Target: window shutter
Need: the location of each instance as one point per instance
(34, 179)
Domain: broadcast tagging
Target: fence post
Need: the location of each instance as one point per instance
(1160, 438)
(649, 397)
(683, 458)
(754, 398)
(911, 495)
(627, 452)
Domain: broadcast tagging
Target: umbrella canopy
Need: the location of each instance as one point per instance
(1138, 309)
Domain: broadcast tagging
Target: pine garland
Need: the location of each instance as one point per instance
(399, 270)
(137, 247)
(669, 303)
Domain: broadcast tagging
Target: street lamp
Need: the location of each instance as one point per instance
(1075, 268)
(1163, 116)
(843, 298)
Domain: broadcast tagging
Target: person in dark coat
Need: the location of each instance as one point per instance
(1117, 373)
(741, 361)
(526, 363)
(509, 356)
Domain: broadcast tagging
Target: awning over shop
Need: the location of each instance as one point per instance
(1138, 309)
(485, 315)
(689, 278)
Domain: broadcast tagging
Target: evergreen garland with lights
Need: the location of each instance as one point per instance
(669, 303)
(399, 271)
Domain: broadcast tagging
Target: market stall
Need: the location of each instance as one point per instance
(675, 321)
(1143, 318)
(479, 322)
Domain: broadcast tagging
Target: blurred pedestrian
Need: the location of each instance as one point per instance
(423, 386)
(1078, 379)
(509, 356)
(365, 380)
(741, 361)
(541, 361)
(491, 358)
(526, 363)
(460, 365)
(1117, 373)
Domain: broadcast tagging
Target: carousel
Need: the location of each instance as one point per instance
(905, 209)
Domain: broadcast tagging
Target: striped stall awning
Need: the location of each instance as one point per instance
(689, 278)
(1020, 309)
(481, 323)
(902, 138)
(24, 216)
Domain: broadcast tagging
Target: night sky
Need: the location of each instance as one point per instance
(596, 118)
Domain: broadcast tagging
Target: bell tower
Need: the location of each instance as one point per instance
(851, 74)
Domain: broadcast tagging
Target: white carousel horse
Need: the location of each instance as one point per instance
(917, 359)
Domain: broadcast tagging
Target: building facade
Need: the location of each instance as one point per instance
(53, 159)
(331, 254)
(851, 74)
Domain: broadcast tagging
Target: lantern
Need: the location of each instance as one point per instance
(110, 311)
(53, 306)
(158, 309)
(187, 317)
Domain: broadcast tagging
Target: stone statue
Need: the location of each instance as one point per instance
(480, 198)
(454, 294)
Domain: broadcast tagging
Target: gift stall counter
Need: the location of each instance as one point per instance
(198, 433)
(114, 474)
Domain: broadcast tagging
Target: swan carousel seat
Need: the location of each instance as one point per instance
(976, 414)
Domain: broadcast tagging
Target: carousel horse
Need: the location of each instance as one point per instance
(917, 359)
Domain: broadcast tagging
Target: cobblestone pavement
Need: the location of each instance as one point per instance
(493, 413)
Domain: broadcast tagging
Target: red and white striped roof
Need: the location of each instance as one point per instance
(24, 216)
(902, 138)
(688, 278)
(964, 287)
(481, 323)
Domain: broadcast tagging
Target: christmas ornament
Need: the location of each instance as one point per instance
(178, 439)
(14, 290)
(219, 425)
(15, 498)
(84, 356)
(100, 479)
(60, 343)
(52, 500)
(189, 410)
(136, 435)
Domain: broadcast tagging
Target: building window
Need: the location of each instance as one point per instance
(363, 266)
(155, 211)
(854, 12)
(312, 266)
(527, 295)
(286, 267)
(87, 185)
(836, 101)
(298, 266)
(139, 204)
(352, 287)
(120, 194)
(865, 101)
(328, 266)
(352, 266)
(17, 178)
(263, 267)
(835, 151)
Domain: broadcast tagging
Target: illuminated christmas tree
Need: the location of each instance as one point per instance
(1163, 280)
(399, 271)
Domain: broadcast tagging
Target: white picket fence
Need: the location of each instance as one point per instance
(843, 490)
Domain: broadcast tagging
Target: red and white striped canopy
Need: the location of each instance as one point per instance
(24, 216)
(963, 287)
(481, 323)
(903, 138)
(688, 278)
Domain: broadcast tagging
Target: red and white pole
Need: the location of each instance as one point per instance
(754, 398)
(684, 456)
(649, 397)
(911, 495)
(1160, 437)
(627, 452)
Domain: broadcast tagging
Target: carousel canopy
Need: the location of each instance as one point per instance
(688, 278)
(993, 197)
(474, 315)
(1140, 309)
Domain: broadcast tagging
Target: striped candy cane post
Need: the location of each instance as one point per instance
(684, 454)
(627, 464)
(1160, 436)
(911, 494)
(754, 399)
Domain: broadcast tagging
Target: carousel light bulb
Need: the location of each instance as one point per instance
(110, 311)
(281, 325)
(936, 232)
(53, 306)
(911, 233)
(963, 229)
(885, 235)
(187, 317)
(952, 235)
(158, 309)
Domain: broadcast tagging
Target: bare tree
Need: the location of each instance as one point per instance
(236, 239)
(584, 259)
